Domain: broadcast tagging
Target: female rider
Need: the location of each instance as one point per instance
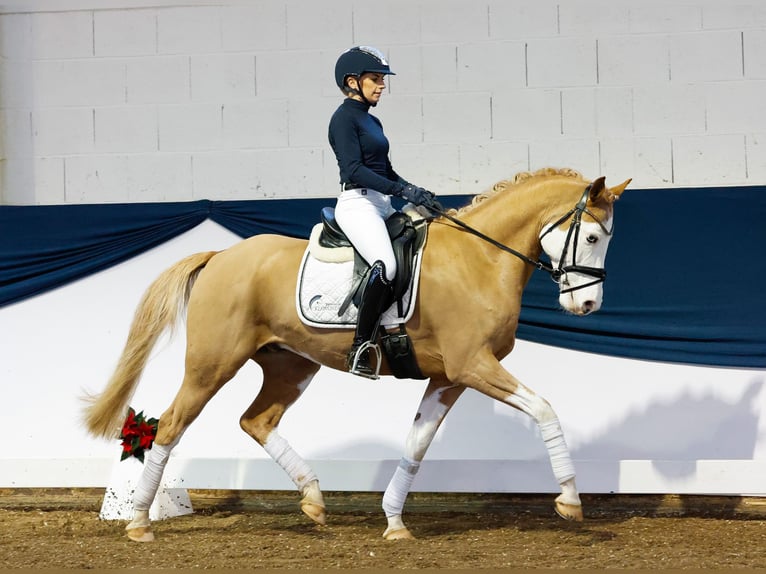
(368, 182)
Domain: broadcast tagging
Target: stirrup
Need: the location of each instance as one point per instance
(354, 368)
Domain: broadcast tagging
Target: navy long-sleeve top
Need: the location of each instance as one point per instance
(361, 149)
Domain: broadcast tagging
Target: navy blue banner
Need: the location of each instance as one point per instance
(685, 266)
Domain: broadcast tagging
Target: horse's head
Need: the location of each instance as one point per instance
(576, 243)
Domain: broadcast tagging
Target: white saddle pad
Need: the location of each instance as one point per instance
(323, 286)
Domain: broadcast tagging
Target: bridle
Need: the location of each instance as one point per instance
(556, 273)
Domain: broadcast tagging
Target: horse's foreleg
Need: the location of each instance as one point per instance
(285, 377)
(568, 503)
(488, 376)
(434, 406)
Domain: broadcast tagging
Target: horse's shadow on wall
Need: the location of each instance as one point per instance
(673, 434)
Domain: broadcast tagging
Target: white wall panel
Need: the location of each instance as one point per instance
(491, 67)
(681, 67)
(669, 110)
(86, 82)
(520, 20)
(706, 57)
(438, 72)
(63, 131)
(390, 23)
(222, 77)
(159, 80)
(189, 30)
(589, 18)
(654, 17)
(754, 54)
(444, 117)
(704, 159)
(633, 60)
(125, 33)
(319, 25)
(257, 123)
(756, 155)
(59, 35)
(732, 109)
(254, 26)
(456, 20)
(280, 74)
(650, 159)
(484, 165)
(561, 62)
(190, 127)
(307, 121)
(526, 114)
(565, 152)
(123, 129)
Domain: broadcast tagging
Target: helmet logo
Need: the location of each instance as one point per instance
(374, 52)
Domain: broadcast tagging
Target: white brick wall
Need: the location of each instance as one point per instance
(128, 100)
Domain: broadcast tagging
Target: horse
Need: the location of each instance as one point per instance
(240, 305)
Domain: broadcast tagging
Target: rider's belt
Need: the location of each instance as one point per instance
(346, 186)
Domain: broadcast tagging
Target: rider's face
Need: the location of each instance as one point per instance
(371, 84)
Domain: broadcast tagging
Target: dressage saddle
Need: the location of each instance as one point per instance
(407, 238)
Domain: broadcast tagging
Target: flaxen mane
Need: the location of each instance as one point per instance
(515, 180)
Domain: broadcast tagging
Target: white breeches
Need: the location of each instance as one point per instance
(361, 214)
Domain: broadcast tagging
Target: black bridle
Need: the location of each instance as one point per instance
(556, 273)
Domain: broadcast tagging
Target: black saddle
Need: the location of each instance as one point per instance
(407, 237)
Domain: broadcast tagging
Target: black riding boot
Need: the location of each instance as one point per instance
(377, 296)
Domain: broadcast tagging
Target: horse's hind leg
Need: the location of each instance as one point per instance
(437, 400)
(285, 377)
(202, 380)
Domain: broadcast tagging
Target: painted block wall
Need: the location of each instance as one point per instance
(141, 101)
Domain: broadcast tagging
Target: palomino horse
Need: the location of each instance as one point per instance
(240, 305)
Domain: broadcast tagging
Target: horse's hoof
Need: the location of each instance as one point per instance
(141, 534)
(315, 512)
(398, 534)
(571, 512)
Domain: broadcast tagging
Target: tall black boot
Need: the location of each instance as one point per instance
(377, 296)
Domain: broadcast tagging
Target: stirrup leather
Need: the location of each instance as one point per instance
(354, 367)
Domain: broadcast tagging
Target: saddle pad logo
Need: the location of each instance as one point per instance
(320, 306)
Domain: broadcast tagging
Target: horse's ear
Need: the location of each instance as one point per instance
(597, 187)
(618, 189)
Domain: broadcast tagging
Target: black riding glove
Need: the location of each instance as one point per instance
(418, 195)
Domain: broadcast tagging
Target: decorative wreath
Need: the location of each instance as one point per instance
(137, 435)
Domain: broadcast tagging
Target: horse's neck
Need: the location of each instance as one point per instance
(515, 217)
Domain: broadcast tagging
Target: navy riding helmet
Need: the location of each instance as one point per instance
(357, 61)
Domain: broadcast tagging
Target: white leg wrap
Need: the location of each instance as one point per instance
(149, 483)
(563, 468)
(399, 487)
(284, 455)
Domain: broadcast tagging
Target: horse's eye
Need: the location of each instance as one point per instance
(592, 238)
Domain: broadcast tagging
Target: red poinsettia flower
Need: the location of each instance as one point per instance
(137, 434)
(146, 434)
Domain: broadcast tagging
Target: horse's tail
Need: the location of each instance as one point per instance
(157, 312)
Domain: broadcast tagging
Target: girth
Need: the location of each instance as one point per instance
(407, 237)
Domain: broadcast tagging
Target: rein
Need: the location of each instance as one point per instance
(561, 270)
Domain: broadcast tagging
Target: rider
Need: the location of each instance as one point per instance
(367, 182)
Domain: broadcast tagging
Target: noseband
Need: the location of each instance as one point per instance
(559, 272)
